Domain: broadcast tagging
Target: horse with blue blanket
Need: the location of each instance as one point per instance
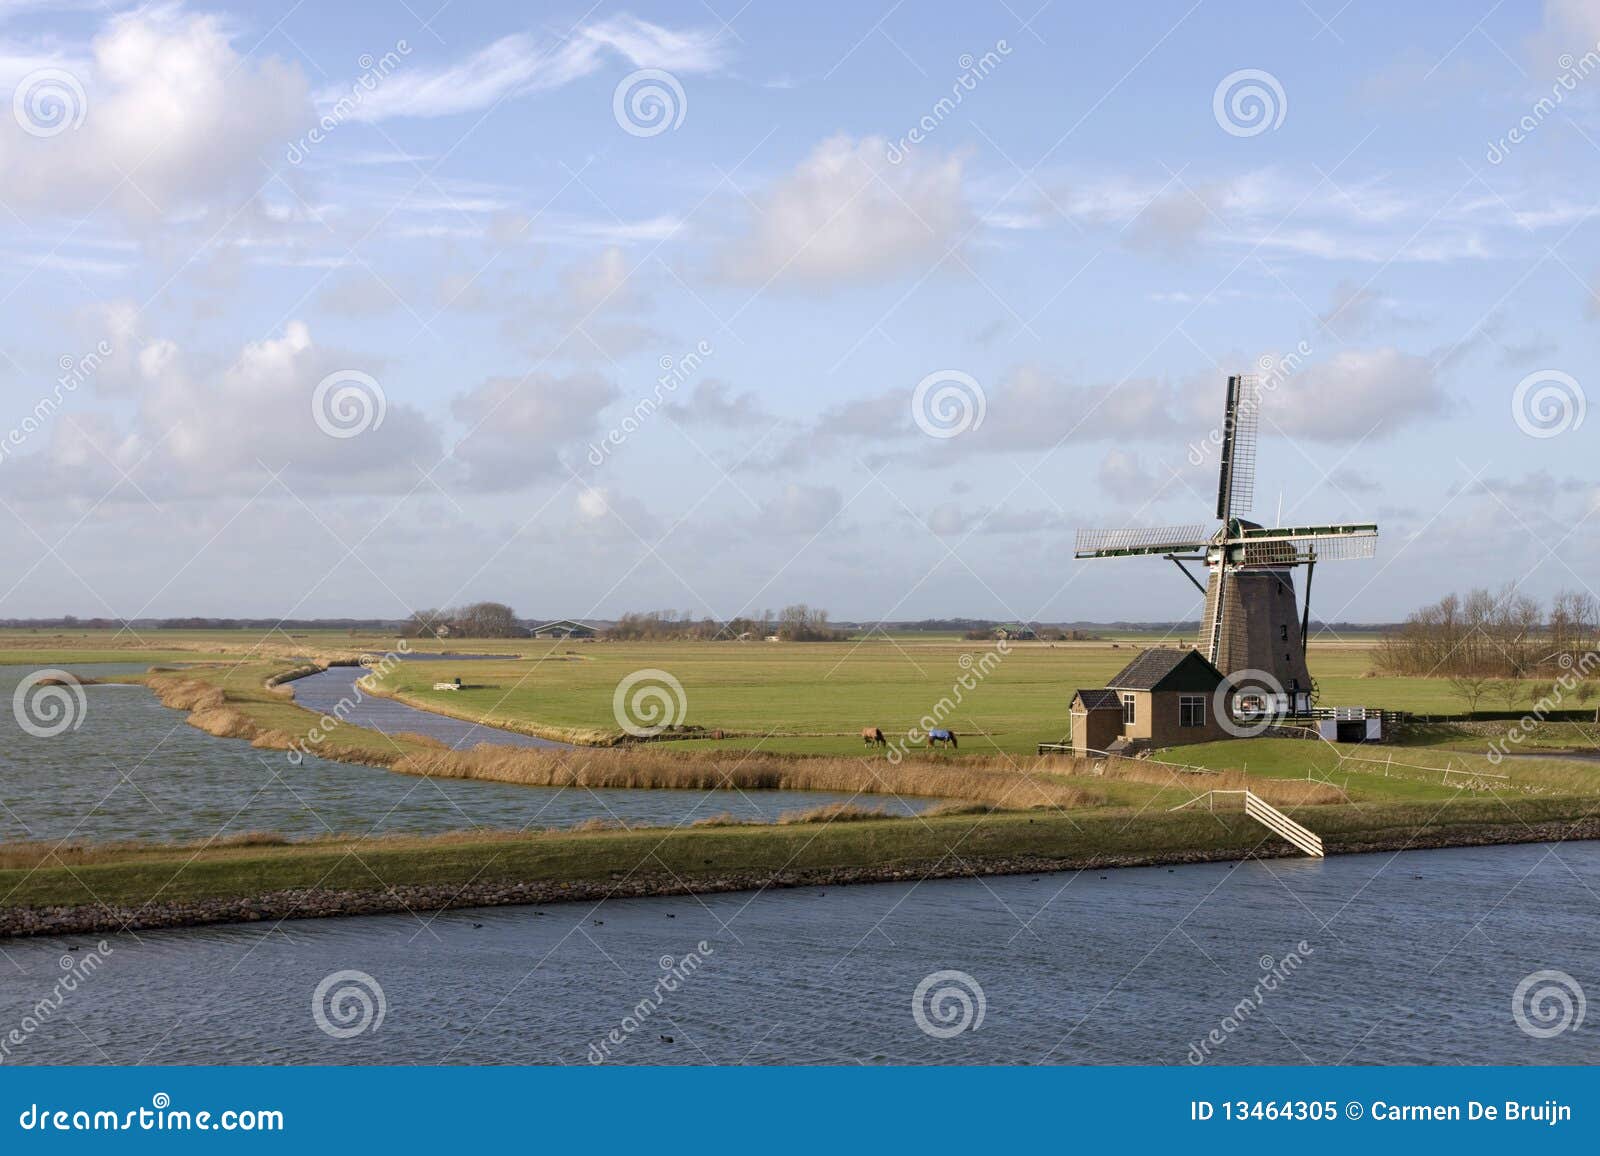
(937, 737)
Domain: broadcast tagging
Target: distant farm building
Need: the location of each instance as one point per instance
(1015, 632)
(565, 628)
(1163, 698)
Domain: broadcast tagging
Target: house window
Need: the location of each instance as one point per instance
(1129, 710)
(1191, 710)
(1283, 633)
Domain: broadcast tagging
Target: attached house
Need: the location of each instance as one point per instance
(1163, 698)
(1096, 720)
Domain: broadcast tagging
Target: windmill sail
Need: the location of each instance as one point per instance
(1140, 540)
(1289, 545)
(1236, 483)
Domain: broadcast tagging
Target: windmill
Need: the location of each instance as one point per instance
(1250, 621)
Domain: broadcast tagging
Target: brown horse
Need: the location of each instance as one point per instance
(873, 737)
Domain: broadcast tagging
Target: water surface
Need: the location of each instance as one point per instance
(335, 688)
(134, 769)
(1411, 959)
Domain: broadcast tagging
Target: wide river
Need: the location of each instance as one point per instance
(134, 769)
(1407, 959)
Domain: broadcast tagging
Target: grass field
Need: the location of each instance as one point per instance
(810, 698)
(752, 856)
(791, 716)
(815, 698)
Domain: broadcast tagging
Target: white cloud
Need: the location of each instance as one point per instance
(950, 519)
(715, 403)
(602, 513)
(358, 293)
(604, 282)
(201, 428)
(1357, 394)
(518, 427)
(174, 120)
(1123, 476)
(521, 64)
(799, 509)
(845, 214)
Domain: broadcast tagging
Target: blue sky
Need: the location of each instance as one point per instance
(348, 301)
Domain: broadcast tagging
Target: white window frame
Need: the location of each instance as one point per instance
(1130, 710)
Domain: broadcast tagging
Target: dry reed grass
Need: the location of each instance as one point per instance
(420, 740)
(997, 782)
(833, 813)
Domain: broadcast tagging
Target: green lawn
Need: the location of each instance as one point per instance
(802, 698)
(137, 876)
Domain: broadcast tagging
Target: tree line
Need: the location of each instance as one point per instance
(1491, 643)
(797, 623)
(474, 620)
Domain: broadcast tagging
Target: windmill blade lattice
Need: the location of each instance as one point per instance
(1140, 540)
(1236, 482)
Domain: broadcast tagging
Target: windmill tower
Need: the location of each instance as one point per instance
(1250, 621)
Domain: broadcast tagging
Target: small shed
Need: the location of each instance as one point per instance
(1096, 720)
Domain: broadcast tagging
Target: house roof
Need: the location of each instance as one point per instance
(563, 624)
(1101, 698)
(1167, 669)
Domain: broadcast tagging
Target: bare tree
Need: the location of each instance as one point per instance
(1511, 692)
(1470, 688)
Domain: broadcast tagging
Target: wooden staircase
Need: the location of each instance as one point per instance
(1300, 837)
(1281, 825)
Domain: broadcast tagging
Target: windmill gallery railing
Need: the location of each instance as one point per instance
(1274, 820)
